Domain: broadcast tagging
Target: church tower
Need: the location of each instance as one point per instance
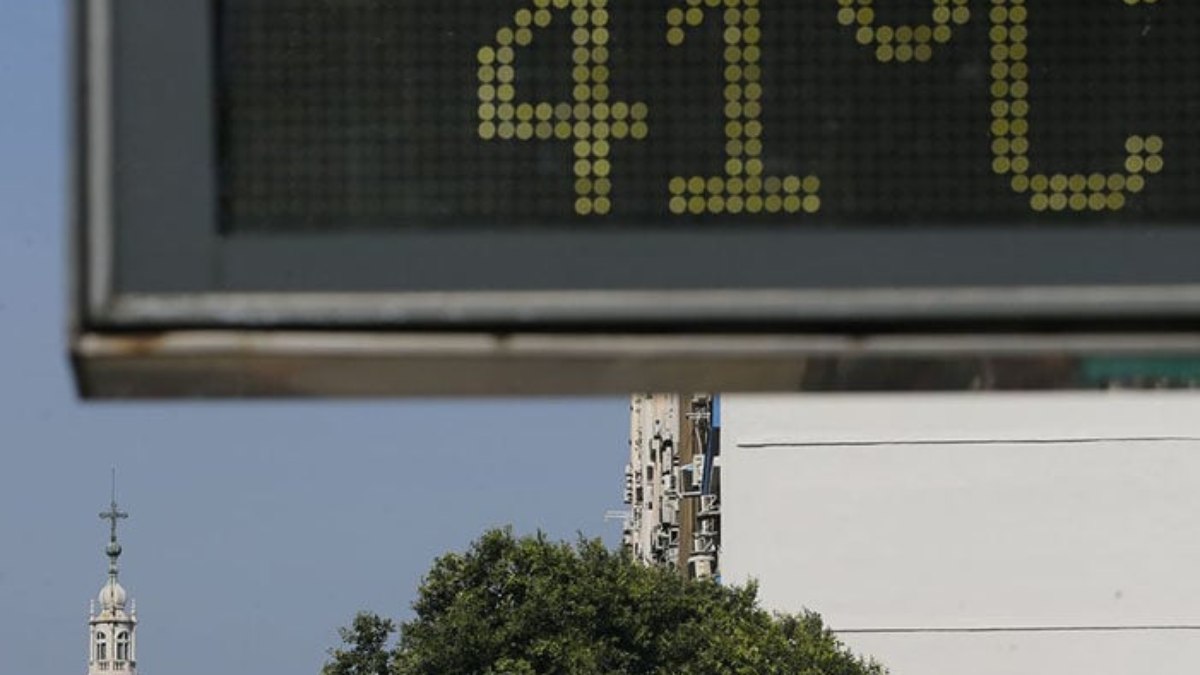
(113, 627)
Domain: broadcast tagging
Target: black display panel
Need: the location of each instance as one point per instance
(342, 115)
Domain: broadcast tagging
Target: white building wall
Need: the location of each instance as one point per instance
(936, 516)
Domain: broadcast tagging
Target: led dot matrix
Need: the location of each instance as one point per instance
(903, 43)
(537, 113)
(743, 187)
(590, 120)
(1010, 132)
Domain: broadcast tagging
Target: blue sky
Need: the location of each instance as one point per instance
(256, 529)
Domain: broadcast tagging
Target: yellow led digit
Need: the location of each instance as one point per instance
(903, 43)
(743, 187)
(590, 121)
(1096, 191)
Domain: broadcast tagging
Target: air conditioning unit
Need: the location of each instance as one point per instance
(701, 567)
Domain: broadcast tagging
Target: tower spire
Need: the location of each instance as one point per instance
(112, 515)
(113, 645)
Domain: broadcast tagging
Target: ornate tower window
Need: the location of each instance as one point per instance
(123, 646)
(101, 647)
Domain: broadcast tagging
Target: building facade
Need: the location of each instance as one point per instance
(673, 483)
(988, 534)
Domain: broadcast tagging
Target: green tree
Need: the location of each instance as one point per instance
(367, 652)
(528, 606)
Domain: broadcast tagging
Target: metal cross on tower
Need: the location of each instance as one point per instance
(113, 514)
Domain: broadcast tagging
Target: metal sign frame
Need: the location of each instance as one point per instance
(166, 307)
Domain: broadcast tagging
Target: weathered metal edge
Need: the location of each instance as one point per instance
(238, 310)
(253, 364)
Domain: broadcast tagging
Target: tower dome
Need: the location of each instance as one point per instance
(112, 596)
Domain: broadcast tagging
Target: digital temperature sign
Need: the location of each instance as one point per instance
(368, 114)
(422, 197)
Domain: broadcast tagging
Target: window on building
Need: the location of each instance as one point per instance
(122, 646)
(101, 647)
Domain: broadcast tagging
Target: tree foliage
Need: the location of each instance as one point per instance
(367, 652)
(528, 606)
